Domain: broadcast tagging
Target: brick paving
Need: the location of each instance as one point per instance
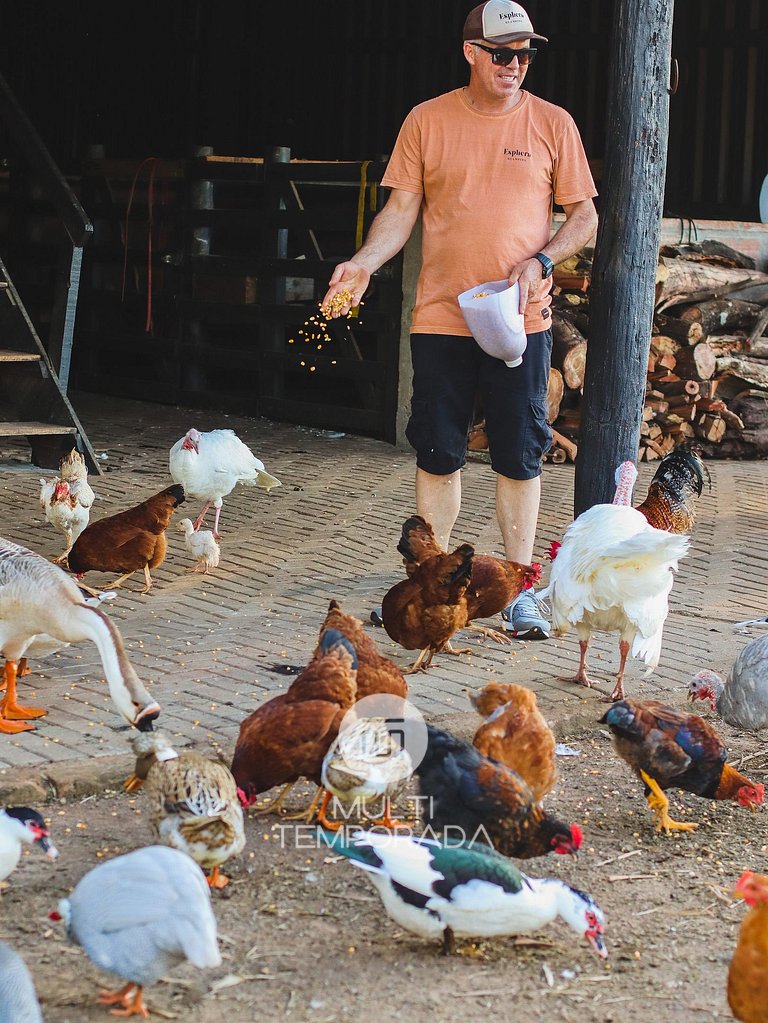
(211, 648)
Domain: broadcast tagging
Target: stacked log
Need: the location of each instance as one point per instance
(707, 376)
(708, 359)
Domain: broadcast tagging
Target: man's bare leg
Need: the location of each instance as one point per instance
(438, 500)
(517, 509)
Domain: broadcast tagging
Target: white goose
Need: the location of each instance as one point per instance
(38, 598)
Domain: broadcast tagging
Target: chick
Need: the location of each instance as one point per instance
(202, 545)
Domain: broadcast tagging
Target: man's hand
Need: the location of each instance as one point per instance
(528, 276)
(347, 287)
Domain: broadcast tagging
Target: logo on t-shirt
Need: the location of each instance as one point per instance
(516, 154)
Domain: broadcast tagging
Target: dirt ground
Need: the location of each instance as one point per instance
(304, 937)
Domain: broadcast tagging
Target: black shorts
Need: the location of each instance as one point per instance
(448, 372)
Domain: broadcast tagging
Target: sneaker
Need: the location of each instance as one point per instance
(376, 617)
(524, 618)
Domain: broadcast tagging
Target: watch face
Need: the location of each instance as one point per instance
(547, 266)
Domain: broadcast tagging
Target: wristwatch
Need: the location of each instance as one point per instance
(547, 266)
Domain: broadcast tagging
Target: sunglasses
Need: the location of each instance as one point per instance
(504, 55)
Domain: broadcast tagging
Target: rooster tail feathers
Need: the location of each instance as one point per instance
(265, 480)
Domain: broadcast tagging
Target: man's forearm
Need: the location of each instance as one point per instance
(388, 233)
(573, 233)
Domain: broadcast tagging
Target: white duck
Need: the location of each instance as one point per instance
(193, 802)
(613, 573)
(202, 545)
(19, 826)
(464, 888)
(210, 465)
(38, 599)
(365, 764)
(139, 916)
(18, 1000)
(742, 699)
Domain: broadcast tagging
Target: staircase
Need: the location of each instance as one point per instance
(33, 391)
(32, 402)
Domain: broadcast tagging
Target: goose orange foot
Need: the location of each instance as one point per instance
(216, 879)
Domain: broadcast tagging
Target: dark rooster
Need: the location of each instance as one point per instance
(669, 748)
(375, 673)
(128, 542)
(288, 736)
(424, 611)
(671, 500)
(494, 584)
(464, 790)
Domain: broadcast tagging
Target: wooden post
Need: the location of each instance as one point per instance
(626, 253)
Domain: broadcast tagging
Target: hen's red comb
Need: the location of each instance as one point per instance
(554, 547)
(577, 835)
(55, 915)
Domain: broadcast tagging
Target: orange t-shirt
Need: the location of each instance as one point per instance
(488, 182)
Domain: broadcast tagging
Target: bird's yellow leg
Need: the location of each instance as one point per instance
(276, 805)
(322, 820)
(659, 804)
(387, 820)
(117, 582)
(421, 663)
(448, 649)
(9, 708)
(147, 580)
(309, 813)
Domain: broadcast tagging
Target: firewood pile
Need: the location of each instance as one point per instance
(708, 362)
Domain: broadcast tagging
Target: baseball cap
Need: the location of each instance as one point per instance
(499, 21)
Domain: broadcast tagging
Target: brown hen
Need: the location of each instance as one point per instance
(375, 673)
(748, 971)
(494, 584)
(288, 736)
(516, 734)
(129, 541)
(425, 610)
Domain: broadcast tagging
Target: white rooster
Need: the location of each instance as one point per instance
(202, 545)
(210, 465)
(67, 499)
(613, 573)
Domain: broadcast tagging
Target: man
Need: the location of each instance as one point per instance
(483, 164)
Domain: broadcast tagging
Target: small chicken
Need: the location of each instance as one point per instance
(494, 584)
(440, 890)
(742, 699)
(20, 826)
(465, 791)
(210, 465)
(376, 674)
(613, 573)
(202, 545)
(668, 748)
(193, 803)
(41, 606)
(748, 970)
(287, 737)
(139, 916)
(365, 764)
(425, 610)
(129, 541)
(18, 999)
(516, 734)
(672, 493)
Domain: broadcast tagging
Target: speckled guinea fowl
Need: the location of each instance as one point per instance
(18, 1000)
(139, 916)
(194, 806)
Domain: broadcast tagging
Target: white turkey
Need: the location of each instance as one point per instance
(742, 699)
(209, 466)
(139, 916)
(38, 599)
(613, 573)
